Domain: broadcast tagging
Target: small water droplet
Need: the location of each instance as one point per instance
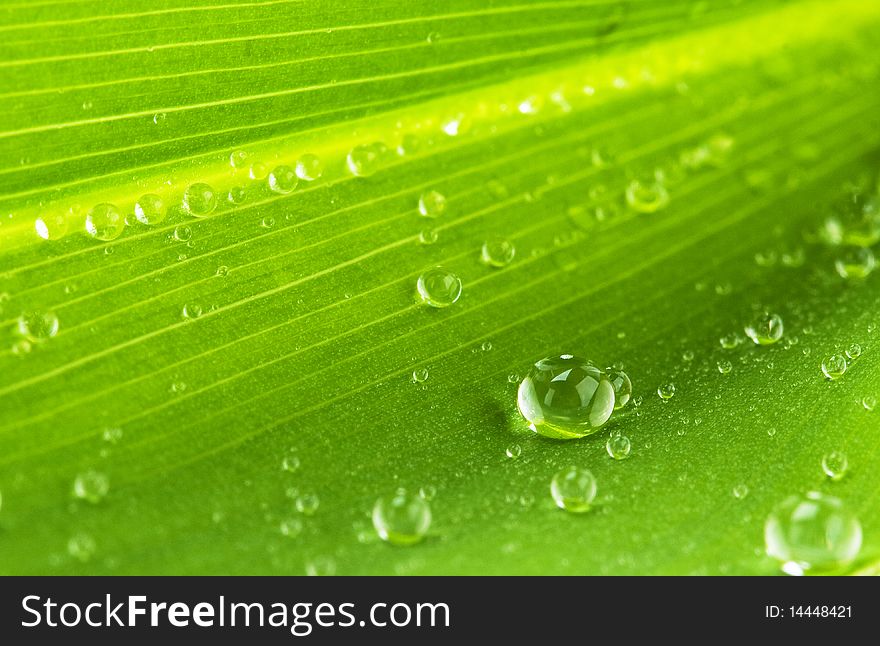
(159, 118)
(291, 527)
(497, 252)
(724, 366)
(618, 446)
(105, 222)
(236, 195)
(765, 329)
(192, 311)
(283, 180)
(428, 492)
(646, 197)
(432, 204)
(81, 546)
(854, 351)
(855, 262)
(573, 489)
(834, 366)
(402, 519)
(291, 463)
(869, 402)
(91, 486)
(258, 171)
(428, 236)
(364, 160)
(182, 233)
(222, 271)
(740, 491)
(239, 159)
(51, 226)
(666, 391)
(267, 222)
(38, 326)
(835, 465)
(513, 451)
(420, 375)
(307, 504)
(439, 287)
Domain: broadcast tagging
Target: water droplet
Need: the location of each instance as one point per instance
(91, 486)
(283, 180)
(432, 204)
(268, 222)
(420, 375)
(740, 491)
(105, 222)
(402, 519)
(573, 489)
(291, 527)
(309, 167)
(222, 271)
(258, 171)
(21, 347)
(618, 446)
(150, 209)
(433, 37)
(51, 226)
(439, 287)
(239, 159)
(855, 262)
(869, 402)
(159, 118)
(687, 355)
(236, 195)
(835, 465)
(199, 199)
(565, 397)
(307, 504)
(729, 341)
(622, 386)
(513, 451)
(192, 311)
(765, 329)
(112, 434)
(646, 197)
(81, 546)
(812, 532)
(321, 566)
(854, 351)
(666, 391)
(410, 144)
(771, 431)
(291, 463)
(182, 233)
(364, 160)
(38, 326)
(724, 366)
(497, 252)
(428, 492)
(834, 366)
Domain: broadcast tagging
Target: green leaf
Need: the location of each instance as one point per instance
(195, 356)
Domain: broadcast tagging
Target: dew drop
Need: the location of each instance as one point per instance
(21, 347)
(112, 435)
(321, 566)
(239, 159)
(869, 402)
(192, 311)
(402, 519)
(91, 486)
(765, 329)
(222, 271)
(432, 204)
(428, 492)
(258, 171)
(291, 527)
(307, 504)
(159, 118)
(618, 446)
(513, 378)
(565, 397)
(724, 366)
(835, 465)
(573, 489)
(666, 391)
(182, 233)
(283, 180)
(812, 532)
(420, 375)
(309, 167)
(622, 386)
(199, 199)
(439, 287)
(51, 227)
(513, 451)
(267, 222)
(854, 351)
(236, 195)
(364, 160)
(855, 262)
(105, 222)
(834, 366)
(150, 209)
(81, 546)
(497, 252)
(291, 463)
(646, 197)
(428, 236)
(740, 491)
(38, 326)
(729, 341)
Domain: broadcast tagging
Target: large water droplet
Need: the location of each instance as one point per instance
(765, 329)
(439, 287)
(565, 397)
(812, 532)
(402, 519)
(573, 489)
(105, 222)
